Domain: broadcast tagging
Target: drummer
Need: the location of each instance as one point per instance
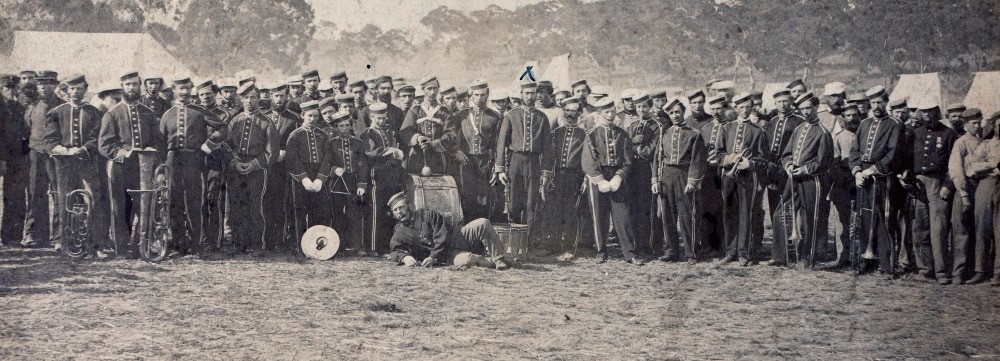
(424, 238)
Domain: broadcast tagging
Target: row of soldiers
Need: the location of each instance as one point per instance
(678, 175)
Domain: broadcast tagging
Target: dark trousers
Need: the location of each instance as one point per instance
(931, 228)
(15, 187)
(345, 210)
(187, 190)
(37, 218)
(741, 206)
(841, 195)
(278, 208)
(125, 206)
(74, 173)
(213, 211)
(676, 214)
(311, 208)
(565, 209)
(985, 212)
(387, 180)
(711, 225)
(245, 195)
(618, 203)
(525, 175)
(876, 221)
(811, 211)
(643, 206)
(479, 198)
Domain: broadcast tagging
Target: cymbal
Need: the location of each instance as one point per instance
(320, 242)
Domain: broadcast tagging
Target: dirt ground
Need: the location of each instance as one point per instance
(281, 308)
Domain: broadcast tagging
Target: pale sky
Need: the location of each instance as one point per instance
(390, 14)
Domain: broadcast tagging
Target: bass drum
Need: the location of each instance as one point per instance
(439, 193)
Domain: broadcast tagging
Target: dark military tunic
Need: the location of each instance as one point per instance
(607, 154)
(253, 139)
(349, 154)
(740, 188)
(810, 149)
(477, 135)
(878, 140)
(561, 164)
(522, 140)
(679, 160)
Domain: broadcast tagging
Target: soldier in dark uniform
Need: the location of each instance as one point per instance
(348, 103)
(478, 129)
(563, 180)
(657, 99)
(931, 146)
(606, 158)
(71, 135)
(216, 165)
(310, 80)
(14, 153)
(338, 81)
(295, 90)
(358, 92)
(739, 152)
(807, 158)
(278, 197)
(711, 230)
(642, 131)
(680, 162)
(796, 88)
(405, 98)
(280, 102)
(427, 132)
(382, 146)
(42, 169)
(395, 115)
(230, 101)
(774, 177)
(254, 142)
(308, 163)
(523, 133)
(152, 98)
(699, 117)
(348, 180)
(872, 154)
(128, 127)
(187, 128)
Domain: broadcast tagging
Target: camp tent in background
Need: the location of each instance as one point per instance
(769, 90)
(558, 72)
(102, 57)
(918, 89)
(984, 93)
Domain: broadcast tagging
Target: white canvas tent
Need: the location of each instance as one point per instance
(984, 93)
(102, 57)
(919, 89)
(558, 72)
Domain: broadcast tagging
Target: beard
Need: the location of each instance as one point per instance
(131, 96)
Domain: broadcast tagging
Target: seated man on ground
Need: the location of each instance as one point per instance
(423, 237)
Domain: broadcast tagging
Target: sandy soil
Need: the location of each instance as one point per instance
(281, 308)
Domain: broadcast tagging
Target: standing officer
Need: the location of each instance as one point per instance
(42, 171)
(679, 162)
(872, 154)
(523, 133)
(778, 130)
(152, 98)
(187, 128)
(216, 163)
(310, 80)
(711, 230)
(931, 145)
(427, 133)
(605, 160)
(15, 154)
(254, 142)
(277, 197)
(382, 146)
(126, 128)
(642, 129)
(562, 180)
(71, 135)
(806, 159)
(308, 163)
(479, 126)
(740, 154)
(348, 180)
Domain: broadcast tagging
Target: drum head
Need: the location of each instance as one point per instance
(320, 242)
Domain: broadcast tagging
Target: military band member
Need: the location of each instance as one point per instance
(254, 142)
(774, 177)
(327, 108)
(955, 121)
(449, 99)
(699, 117)
(295, 90)
(547, 104)
(348, 180)
(167, 94)
(562, 177)
(42, 172)
(128, 127)
(832, 106)
(739, 151)
(15, 154)
(560, 96)
(625, 117)
(186, 129)
(581, 89)
(278, 196)
(463, 97)
(71, 135)
(152, 98)
(605, 160)
(230, 101)
(479, 127)
(760, 116)
(872, 154)
(215, 165)
(642, 130)
(384, 90)
(308, 163)
(711, 230)
(499, 101)
(426, 130)
(405, 98)
(842, 182)
(418, 98)
(658, 99)
(864, 106)
(339, 83)
(382, 146)
(680, 162)
(359, 92)
(796, 88)
(348, 103)
(370, 92)
(310, 82)
(523, 133)
(806, 159)
(975, 181)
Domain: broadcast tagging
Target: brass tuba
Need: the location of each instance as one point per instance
(154, 216)
(77, 206)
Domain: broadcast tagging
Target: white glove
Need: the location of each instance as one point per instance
(317, 185)
(616, 183)
(60, 150)
(338, 171)
(307, 183)
(743, 164)
(74, 150)
(205, 149)
(281, 155)
(409, 261)
(361, 192)
(397, 153)
(604, 186)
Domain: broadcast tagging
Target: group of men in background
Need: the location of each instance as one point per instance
(678, 177)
